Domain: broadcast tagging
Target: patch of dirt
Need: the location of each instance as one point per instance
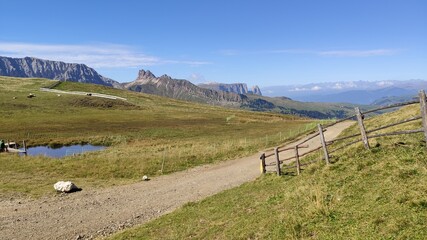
(96, 102)
(93, 213)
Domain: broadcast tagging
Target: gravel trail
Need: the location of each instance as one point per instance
(94, 213)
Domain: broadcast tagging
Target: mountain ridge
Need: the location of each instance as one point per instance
(55, 70)
(240, 88)
(182, 89)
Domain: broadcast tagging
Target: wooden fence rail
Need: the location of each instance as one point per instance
(394, 124)
(364, 136)
(12, 147)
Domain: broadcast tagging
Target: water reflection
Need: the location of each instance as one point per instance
(62, 151)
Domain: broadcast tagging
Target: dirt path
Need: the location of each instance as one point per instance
(82, 93)
(89, 214)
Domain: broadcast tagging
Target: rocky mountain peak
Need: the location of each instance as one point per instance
(256, 90)
(164, 76)
(142, 74)
(182, 89)
(239, 88)
(40, 68)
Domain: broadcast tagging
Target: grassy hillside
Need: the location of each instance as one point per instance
(285, 105)
(144, 132)
(365, 194)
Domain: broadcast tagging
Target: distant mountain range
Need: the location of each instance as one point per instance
(231, 95)
(357, 92)
(360, 96)
(240, 88)
(39, 68)
(166, 86)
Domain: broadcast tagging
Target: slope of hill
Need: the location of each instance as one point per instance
(288, 106)
(30, 67)
(365, 194)
(384, 101)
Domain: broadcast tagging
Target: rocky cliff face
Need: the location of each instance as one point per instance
(256, 90)
(39, 68)
(166, 86)
(240, 88)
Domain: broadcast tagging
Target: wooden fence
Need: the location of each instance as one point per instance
(363, 137)
(12, 147)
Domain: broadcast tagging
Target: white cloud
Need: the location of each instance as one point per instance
(337, 86)
(344, 85)
(332, 53)
(98, 56)
(384, 83)
(359, 53)
(196, 78)
(298, 89)
(301, 89)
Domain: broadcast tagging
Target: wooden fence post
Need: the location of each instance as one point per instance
(423, 106)
(297, 160)
(322, 140)
(362, 128)
(262, 165)
(276, 153)
(25, 147)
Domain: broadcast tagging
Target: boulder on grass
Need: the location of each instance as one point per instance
(66, 187)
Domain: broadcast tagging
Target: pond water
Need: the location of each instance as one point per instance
(62, 151)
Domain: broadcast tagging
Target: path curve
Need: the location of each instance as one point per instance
(93, 213)
(101, 95)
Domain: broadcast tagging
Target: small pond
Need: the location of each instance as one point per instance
(62, 151)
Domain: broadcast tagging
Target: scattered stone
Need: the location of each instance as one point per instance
(31, 95)
(66, 187)
(14, 97)
(145, 178)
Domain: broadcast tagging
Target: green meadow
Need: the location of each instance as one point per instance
(146, 135)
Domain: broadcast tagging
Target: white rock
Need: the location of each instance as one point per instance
(145, 178)
(66, 187)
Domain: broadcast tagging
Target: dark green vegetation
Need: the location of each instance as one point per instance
(384, 101)
(379, 193)
(285, 105)
(144, 132)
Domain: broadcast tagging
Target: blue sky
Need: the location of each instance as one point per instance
(270, 42)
